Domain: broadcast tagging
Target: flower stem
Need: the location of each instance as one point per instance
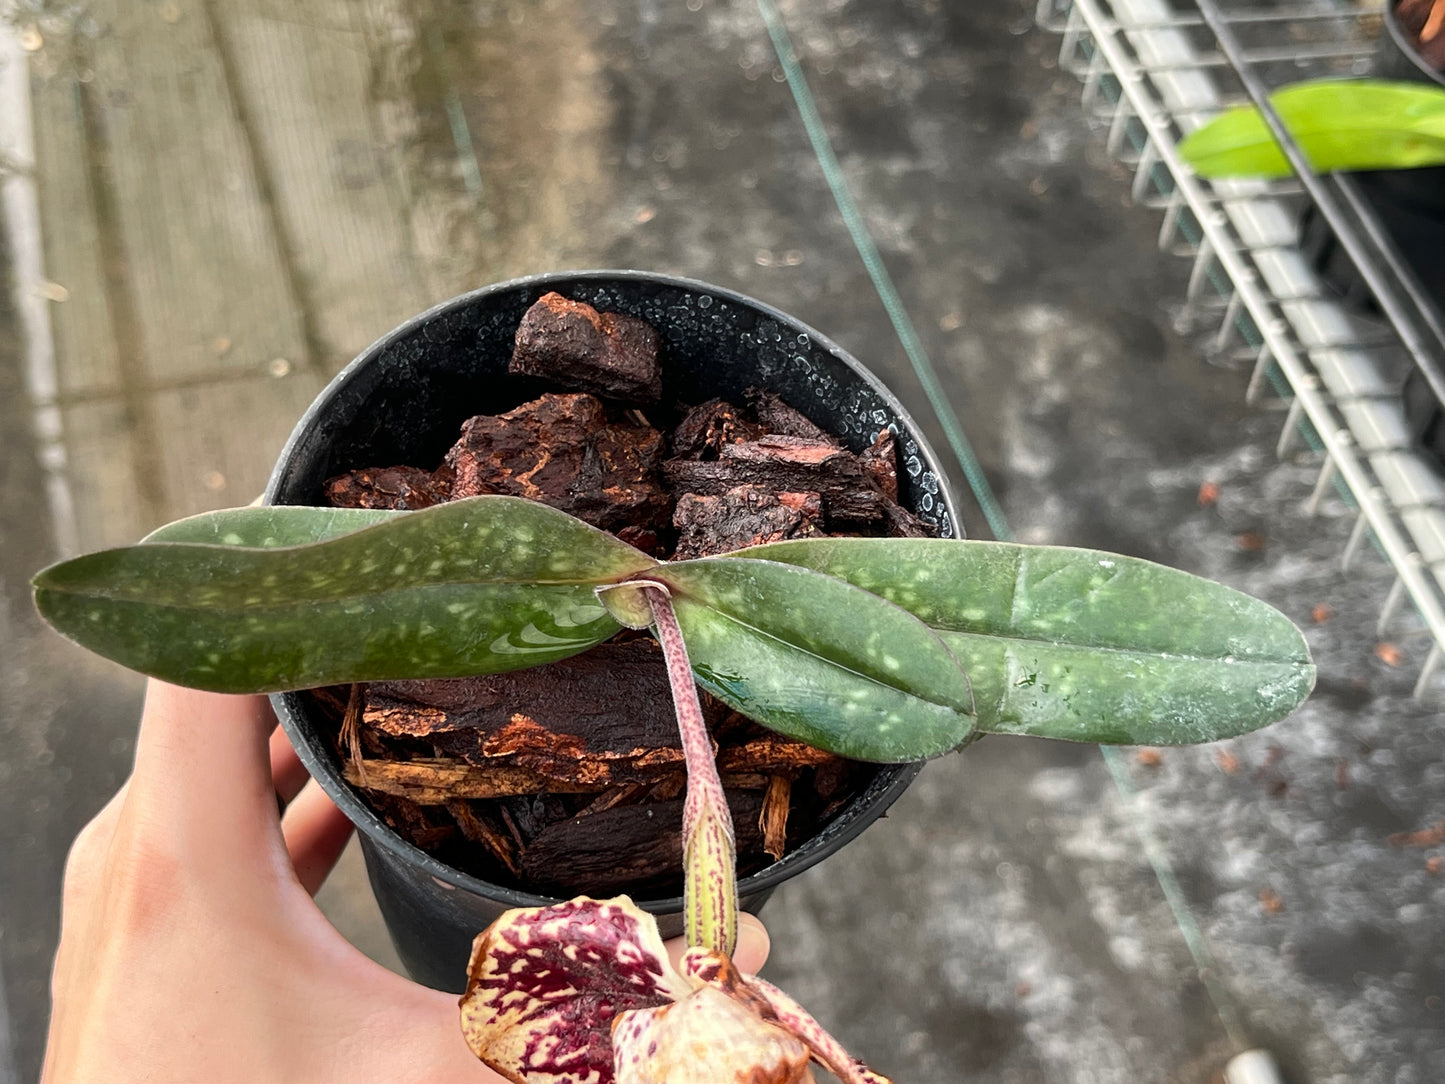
(710, 898)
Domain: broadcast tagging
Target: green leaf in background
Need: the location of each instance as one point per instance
(819, 660)
(473, 586)
(1340, 124)
(1083, 645)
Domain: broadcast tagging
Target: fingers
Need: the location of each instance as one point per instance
(202, 783)
(432, 1036)
(288, 774)
(316, 833)
(84, 874)
(86, 859)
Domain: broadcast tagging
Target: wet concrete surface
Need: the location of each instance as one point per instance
(1005, 922)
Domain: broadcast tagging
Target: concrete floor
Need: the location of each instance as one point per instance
(235, 198)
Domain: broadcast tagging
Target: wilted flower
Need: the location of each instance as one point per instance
(583, 993)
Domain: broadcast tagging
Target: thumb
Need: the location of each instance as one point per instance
(754, 944)
(752, 948)
(203, 772)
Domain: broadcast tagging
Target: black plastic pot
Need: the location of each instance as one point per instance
(1410, 203)
(1410, 206)
(403, 401)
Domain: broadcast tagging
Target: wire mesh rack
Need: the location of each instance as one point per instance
(1335, 366)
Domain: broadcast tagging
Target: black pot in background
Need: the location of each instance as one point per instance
(1410, 203)
(403, 401)
(1424, 417)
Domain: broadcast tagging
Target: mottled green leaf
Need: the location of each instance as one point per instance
(270, 526)
(1339, 124)
(469, 587)
(818, 659)
(1083, 645)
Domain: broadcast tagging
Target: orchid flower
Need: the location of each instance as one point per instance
(583, 992)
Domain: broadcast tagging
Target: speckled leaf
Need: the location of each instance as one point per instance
(270, 526)
(546, 984)
(470, 587)
(1083, 645)
(819, 660)
(1340, 124)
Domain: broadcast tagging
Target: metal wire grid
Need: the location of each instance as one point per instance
(1151, 74)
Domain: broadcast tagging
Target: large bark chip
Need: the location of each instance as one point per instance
(744, 516)
(785, 464)
(561, 450)
(621, 848)
(573, 344)
(777, 417)
(397, 488)
(707, 427)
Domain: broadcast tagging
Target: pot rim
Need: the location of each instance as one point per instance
(1407, 47)
(851, 823)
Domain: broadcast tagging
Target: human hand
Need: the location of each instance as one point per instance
(191, 949)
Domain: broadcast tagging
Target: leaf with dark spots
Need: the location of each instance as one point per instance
(1083, 645)
(819, 660)
(474, 586)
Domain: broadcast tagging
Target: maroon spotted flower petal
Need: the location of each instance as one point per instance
(796, 1020)
(773, 1008)
(706, 1038)
(545, 985)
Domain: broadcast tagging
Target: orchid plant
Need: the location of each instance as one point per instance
(879, 649)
